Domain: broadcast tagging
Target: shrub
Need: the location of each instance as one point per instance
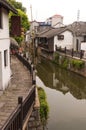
(56, 58)
(65, 63)
(44, 109)
(77, 64)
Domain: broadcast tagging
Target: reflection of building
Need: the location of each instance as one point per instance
(55, 81)
(4, 44)
(64, 89)
(62, 80)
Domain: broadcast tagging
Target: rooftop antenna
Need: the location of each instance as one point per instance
(78, 15)
(31, 19)
(31, 12)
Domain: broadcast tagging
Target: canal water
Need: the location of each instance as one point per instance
(66, 96)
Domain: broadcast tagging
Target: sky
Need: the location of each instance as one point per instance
(43, 9)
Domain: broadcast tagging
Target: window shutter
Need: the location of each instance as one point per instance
(15, 26)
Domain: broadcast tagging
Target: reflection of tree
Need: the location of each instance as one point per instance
(45, 76)
(62, 80)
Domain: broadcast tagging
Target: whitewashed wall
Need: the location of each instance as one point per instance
(5, 70)
(4, 45)
(27, 36)
(80, 39)
(33, 26)
(56, 20)
(4, 33)
(66, 42)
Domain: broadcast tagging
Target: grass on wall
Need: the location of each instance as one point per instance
(44, 108)
(64, 62)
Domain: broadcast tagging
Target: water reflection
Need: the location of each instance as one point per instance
(62, 80)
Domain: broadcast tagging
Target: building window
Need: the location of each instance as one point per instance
(60, 37)
(5, 58)
(0, 18)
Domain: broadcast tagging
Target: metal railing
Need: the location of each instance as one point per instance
(70, 52)
(29, 66)
(17, 118)
(24, 61)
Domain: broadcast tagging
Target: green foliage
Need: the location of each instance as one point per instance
(56, 58)
(65, 63)
(24, 19)
(77, 64)
(42, 94)
(17, 5)
(44, 109)
(63, 58)
(24, 24)
(19, 39)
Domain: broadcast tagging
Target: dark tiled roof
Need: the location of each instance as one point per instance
(6, 5)
(52, 32)
(77, 28)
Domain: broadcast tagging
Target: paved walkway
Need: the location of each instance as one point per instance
(20, 85)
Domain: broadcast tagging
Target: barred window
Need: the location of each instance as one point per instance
(60, 37)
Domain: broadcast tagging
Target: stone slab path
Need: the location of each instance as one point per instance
(20, 84)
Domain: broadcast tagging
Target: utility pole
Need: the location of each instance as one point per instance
(34, 41)
(31, 12)
(32, 37)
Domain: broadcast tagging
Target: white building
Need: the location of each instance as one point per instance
(64, 39)
(55, 21)
(72, 36)
(4, 44)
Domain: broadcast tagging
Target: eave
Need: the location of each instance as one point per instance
(7, 6)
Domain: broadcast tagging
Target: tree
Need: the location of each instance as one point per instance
(24, 19)
(17, 5)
